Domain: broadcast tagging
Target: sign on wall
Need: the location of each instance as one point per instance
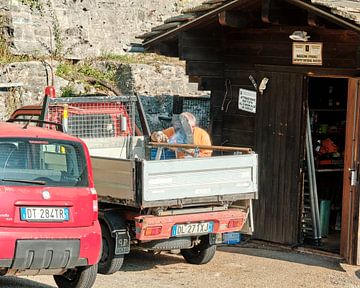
(247, 100)
(305, 53)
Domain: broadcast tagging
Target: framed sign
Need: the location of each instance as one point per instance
(247, 100)
(306, 53)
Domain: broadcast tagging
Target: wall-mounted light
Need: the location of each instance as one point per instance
(299, 36)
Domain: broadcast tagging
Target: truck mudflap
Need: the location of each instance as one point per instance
(149, 227)
(122, 242)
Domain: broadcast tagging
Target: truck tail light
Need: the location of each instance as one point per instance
(152, 231)
(94, 203)
(235, 223)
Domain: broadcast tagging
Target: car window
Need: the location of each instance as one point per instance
(43, 162)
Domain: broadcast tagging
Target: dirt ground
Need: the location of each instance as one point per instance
(235, 266)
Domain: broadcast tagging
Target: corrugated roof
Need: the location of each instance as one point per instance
(347, 9)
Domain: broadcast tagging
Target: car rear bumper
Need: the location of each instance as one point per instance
(49, 248)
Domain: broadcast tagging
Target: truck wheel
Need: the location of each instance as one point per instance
(108, 263)
(201, 253)
(81, 277)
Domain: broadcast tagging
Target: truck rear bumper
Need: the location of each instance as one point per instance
(36, 249)
(223, 221)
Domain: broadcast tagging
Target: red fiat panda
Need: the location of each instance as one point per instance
(48, 206)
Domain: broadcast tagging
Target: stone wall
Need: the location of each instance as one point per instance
(161, 80)
(83, 28)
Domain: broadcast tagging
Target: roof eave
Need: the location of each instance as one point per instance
(197, 21)
(327, 15)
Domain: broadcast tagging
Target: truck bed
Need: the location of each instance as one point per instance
(176, 182)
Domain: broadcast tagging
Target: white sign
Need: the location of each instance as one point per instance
(247, 100)
(307, 53)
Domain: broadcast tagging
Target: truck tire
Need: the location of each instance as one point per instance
(81, 277)
(201, 253)
(109, 264)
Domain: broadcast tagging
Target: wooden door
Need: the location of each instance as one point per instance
(349, 245)
(280, 135)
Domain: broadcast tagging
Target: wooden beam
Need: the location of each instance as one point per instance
(197, 68)
(325, 14)
(313, 20)
(194, 79)
(269, 12)
(197, 21)
(232, 19)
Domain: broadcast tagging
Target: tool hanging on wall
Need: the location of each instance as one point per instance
(227, 100)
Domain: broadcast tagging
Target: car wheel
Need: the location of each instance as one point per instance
(201, 253)
(108, 263)
(80, 277)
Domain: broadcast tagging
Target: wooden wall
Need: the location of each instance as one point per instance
(221, 60)
(272, 46)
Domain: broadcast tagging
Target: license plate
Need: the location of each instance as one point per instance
(44, 214)
(192, 228)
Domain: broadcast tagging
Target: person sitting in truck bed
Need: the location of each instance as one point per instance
(185, 131)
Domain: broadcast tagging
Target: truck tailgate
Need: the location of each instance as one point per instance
(180, 179)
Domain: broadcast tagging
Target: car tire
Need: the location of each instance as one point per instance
(109, 264)
(80, 277)
(201, 253)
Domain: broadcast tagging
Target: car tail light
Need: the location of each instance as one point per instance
(235, 223)
(152, 231)
(94, 203)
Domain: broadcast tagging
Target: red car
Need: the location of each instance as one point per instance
(48, 208)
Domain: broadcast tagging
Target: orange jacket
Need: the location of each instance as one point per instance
(201, 137)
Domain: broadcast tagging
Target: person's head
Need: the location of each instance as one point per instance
(191, 119)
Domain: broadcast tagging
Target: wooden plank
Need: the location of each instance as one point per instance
(211, 83)
(234, 19)
(307, 70)
(240, 138)
(280, 33)
(200, 54)
(195, 40)
(245, 121)
(278, 122)
(287, 61)
(198, 68)
(244, 150)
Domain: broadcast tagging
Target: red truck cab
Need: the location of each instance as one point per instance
(48, 208)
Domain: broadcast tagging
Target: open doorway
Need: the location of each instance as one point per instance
(327, 100)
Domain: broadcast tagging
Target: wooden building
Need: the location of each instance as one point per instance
(288, 57)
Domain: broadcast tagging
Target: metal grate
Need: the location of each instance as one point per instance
(94, 117)
(199, 106)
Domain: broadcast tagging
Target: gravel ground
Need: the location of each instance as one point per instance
(232, 267)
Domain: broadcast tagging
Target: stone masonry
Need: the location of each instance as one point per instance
(83, 28)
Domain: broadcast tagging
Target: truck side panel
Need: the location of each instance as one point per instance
(200, 177)
(114, 178)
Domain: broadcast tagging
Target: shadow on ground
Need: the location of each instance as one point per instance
(140, 260)
(357, 273)
(15, 282)
(282, 254)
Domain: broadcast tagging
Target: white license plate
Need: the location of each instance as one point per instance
(44, 214)
(192, 228)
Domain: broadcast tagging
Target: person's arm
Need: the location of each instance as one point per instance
(162, 136)
(169, 132)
